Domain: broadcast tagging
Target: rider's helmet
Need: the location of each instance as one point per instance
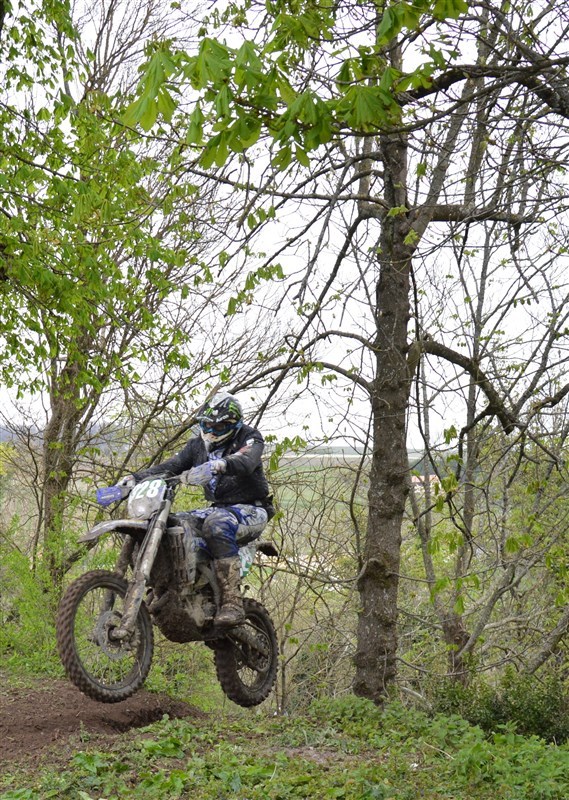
(220, 419)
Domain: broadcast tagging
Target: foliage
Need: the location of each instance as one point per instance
(100, 257)
(248, 89)
(311, 592)
(5, 457)
(92, 233)
(5, 450)
(476, 538)
(27, 633)
(535, 705)
(88, 224)
(340, 749)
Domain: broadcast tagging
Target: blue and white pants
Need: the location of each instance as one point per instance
(223, 527)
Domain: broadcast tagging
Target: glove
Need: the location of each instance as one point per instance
(201, 475)
(127, 482)
(197, 476)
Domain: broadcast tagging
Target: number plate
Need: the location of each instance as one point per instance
(146, 498)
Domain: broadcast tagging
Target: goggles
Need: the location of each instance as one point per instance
(217, 428)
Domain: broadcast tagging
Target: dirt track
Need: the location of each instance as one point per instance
(53, 715)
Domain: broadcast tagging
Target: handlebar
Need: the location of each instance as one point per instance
(114, 494)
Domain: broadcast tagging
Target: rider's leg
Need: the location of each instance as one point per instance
(220, 533)
(220, 530)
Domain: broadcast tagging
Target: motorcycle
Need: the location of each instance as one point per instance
(105, 619)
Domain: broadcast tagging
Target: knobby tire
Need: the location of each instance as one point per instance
(243, 684)
(103, 681)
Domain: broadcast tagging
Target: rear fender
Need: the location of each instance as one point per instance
(123, 526)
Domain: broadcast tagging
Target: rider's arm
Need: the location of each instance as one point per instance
(185, 459)
(246, 460)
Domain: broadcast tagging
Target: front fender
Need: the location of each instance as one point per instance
(122, 526)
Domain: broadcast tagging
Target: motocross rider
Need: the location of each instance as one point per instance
(225, 458)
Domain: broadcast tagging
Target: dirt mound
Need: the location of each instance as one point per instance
(34, 720)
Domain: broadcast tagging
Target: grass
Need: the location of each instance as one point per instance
(340, 749)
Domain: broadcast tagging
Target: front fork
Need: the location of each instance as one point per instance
(121, 567)
(141, 574)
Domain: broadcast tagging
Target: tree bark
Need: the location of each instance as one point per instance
(378, 581)
(550, 644)
(59, 449)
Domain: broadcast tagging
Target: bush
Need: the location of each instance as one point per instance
(539, 705)
(27, 633)
(536, 705)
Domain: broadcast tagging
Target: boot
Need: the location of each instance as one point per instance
(228, 574)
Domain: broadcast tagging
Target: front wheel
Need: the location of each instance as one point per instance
(104, 668)
(246, 658)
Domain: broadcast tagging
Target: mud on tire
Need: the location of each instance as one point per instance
(105, 669)
(247, 674)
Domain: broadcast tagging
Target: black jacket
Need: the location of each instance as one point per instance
(243, 481)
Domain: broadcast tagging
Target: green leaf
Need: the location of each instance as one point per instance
(148, 113)
(397, 211)
(368, 108)
(282, 159)
(450, 434)
(412, 237)
(216, 151)
(388, 27)
(459, 605)
(223, 102)
(165, 104)
(211, 66)
(194, 134)
(302, 157)
(244, 133)
(450, 9)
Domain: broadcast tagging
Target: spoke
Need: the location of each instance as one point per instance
(107, 661)
(252, 661)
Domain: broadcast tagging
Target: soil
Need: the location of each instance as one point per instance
(52, 718)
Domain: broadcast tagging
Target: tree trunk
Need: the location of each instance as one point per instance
(378, 581)
(59, 452)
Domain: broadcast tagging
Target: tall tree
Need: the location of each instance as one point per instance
(407, 122)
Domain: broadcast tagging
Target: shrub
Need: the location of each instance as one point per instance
(27, 635)
(537, 705)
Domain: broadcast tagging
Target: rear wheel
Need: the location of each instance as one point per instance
(246, 658)
(104, 668)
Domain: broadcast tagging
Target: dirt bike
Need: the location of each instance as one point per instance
(105, 619)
